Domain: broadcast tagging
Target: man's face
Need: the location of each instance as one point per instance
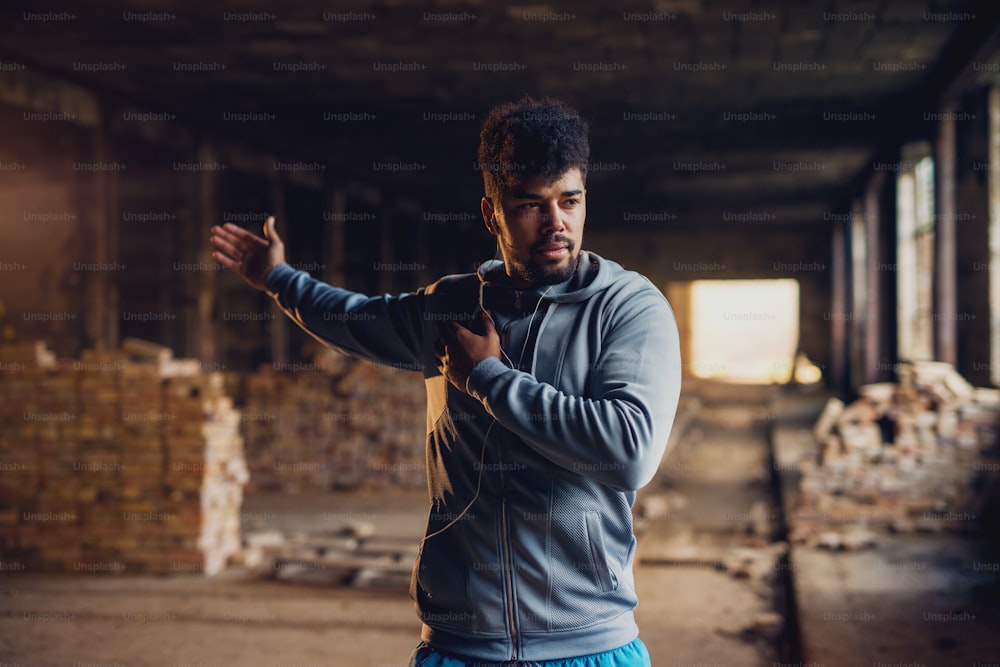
(539, 224)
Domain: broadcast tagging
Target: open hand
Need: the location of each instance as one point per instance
(459, 349)
(247, 254)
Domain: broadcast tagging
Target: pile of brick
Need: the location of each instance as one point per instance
(123, 460)
(906, 456)
(339, 423)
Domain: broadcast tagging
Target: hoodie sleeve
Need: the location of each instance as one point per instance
(616, 435)
(385, 329)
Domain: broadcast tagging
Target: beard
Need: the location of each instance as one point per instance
(539, 272)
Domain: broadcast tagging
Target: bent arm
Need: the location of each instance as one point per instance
(618, 434)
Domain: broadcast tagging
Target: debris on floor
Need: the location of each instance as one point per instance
(905, 456)
(352, 556)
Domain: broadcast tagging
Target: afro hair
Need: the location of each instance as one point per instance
(531, 138)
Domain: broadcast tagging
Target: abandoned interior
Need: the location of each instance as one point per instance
(188, 478)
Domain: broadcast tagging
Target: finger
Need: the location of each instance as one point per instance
(224, 232)
(232, 239)
(225, 246)
(226, 262)
(445, 331)
(488, 321)
(458, 333)
(269, 231)
(245, 236)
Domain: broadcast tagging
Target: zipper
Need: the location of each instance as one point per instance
(507, 564)
(517, 298)
(549, 309)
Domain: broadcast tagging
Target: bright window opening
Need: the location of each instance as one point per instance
(744, 331)
(915, 253)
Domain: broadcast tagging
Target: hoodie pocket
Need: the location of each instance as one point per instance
(584, 583)
(598, 553)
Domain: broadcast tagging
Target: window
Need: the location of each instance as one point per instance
(744, 330)
(915, 253)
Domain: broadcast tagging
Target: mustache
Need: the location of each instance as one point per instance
(555, 238)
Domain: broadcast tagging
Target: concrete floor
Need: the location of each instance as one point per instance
(686, 617)
(712, 503)
(691, 610)
(916, 600)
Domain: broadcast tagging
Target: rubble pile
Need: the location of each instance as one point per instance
(123, 460)
(351, 556)
(342, 423)
(906, 456)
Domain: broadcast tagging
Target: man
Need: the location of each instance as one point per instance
(552, 381)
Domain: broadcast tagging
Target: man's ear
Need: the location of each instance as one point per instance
(488, 215)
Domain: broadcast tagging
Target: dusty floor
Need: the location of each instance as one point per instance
(712, 504)
(185, 621)
(687, 615)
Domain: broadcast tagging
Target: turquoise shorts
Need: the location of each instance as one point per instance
(633, 654)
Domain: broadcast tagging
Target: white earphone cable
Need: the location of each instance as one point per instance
(486, 436)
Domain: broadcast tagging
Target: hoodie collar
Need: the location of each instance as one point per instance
(591, 276)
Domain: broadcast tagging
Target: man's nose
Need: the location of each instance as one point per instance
(552, 218)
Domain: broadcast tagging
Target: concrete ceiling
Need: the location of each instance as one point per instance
(665, 84)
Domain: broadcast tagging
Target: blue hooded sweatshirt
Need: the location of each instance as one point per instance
(528, 549)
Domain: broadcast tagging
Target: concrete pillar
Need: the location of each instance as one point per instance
(279, 324)
(103, 327)
(994, 233)
(187, 247)
(873, 277)
(839, 275)
(334, 237)
(387, 279)
(945, 262)
(207, 336)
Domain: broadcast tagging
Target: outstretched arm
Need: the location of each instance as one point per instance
(384, 329)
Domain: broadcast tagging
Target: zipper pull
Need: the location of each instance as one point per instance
(517, 299)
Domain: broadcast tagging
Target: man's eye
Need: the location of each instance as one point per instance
(530, 204)
(571, 202)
